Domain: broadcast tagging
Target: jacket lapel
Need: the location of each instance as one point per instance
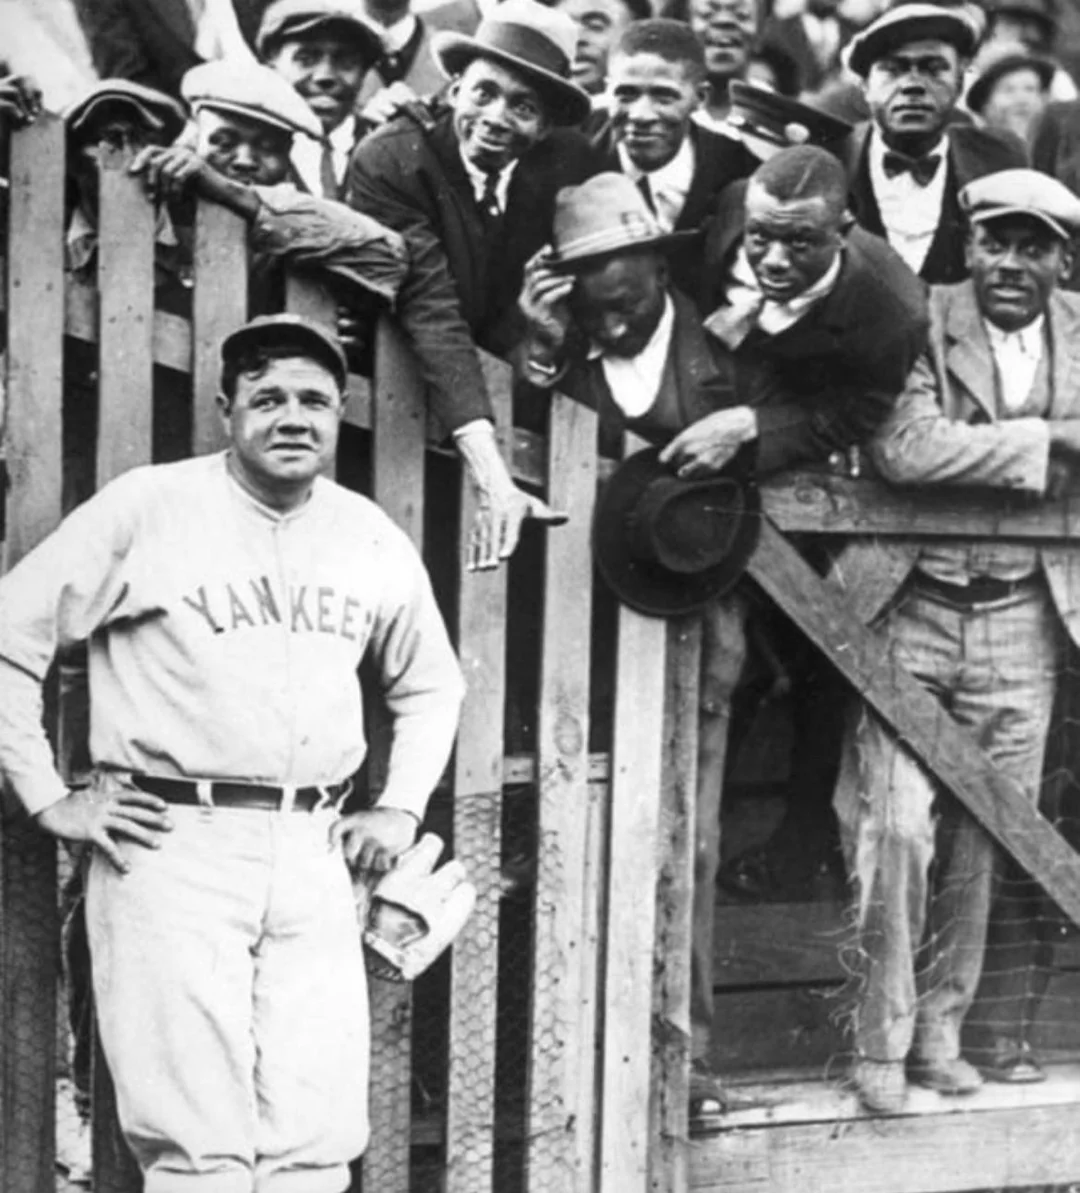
(969, 360)
(702, 385)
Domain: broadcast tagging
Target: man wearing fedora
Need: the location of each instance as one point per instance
(656, 81)
(984, 625)
(472, 190)
(908, 164)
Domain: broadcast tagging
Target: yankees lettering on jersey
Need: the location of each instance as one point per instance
(254, 604)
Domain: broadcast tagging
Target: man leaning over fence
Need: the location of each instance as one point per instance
(472, 190)
(228, 601)
(981, 624)
(606, 325)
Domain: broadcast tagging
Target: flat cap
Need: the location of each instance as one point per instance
(310, 339)
(157, 110)
(1023, 192)
(250, 90)
(293, 18)
(911, 22)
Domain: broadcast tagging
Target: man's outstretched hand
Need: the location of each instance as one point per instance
(102, 816)
(496, 528)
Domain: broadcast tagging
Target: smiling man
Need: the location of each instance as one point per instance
(656, 81)
(228, 601)
(728, 31)
(984, 626)
(909, 163)
(472, 190)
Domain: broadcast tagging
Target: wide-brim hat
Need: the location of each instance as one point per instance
(781, 120)
(284, 19)
(666, 546)
(160, 112)
(1005, 64)
(537, 41)
(309, 337)
(605, 215)
(250, 90)
(911, 22)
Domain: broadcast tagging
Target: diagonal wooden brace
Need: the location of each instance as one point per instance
(822, 613)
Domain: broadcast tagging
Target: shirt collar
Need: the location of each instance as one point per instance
(878, 148)
(675, 176)
(659, 337)
(397, 36)
(742, 274)
(478, 179)
(343, 138)
(1030, 338)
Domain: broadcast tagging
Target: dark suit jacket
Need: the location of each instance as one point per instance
(464, 279)
(973, 152)
(831, 379)
(719, 161)
(1057, 152)
(789, 36)
(151, 41)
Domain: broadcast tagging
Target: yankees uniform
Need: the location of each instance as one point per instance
(224, 640)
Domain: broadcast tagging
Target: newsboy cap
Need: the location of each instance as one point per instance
(157, 110)
(907, 23)
(284, 19)
(1023, 192)
(250, 90)
(306, 335)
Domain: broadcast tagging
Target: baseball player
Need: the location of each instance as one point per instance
(228, 601)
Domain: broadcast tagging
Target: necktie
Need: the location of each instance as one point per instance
(327, 174)
(489, 200)
(645, 187)
(921, 169)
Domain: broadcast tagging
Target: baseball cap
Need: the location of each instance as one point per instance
(310, 339)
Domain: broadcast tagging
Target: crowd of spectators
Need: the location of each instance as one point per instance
(739, 232)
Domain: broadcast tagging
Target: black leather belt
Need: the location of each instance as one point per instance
(983, 590)
(224, 794)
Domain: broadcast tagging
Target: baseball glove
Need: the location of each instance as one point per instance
(415, 912)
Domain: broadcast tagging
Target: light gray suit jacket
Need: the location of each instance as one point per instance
(930, 440)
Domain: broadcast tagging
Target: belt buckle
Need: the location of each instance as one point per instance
(326, 798)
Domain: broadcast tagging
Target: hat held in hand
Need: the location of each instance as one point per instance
(667, 546)
(415, 911)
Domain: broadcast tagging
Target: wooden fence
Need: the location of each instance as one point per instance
(597, 1103)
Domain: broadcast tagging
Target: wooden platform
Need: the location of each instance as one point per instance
(811, 1136)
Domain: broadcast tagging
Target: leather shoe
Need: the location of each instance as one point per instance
(951, 1077)
(1011, 1063)
(881, 1085)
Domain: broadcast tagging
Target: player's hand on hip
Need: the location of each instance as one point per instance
(373, 839)
(102, 816)
(496, 528)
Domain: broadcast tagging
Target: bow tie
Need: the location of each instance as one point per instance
(921, 169)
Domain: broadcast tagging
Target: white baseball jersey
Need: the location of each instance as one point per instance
(225, 637)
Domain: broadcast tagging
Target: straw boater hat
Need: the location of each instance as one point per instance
(528, 37)
(667, 546)
(603, 216)
(250, 90)
(911, 22)
(284, 19)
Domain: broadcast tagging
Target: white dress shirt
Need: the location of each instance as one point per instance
(669, 185)
(1017, 355)
(395, 37)
(307, 156)
(910, 213)
(479, 178)
(634, 381)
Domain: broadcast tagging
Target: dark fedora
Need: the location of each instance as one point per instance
(536, 41)
(667, 546)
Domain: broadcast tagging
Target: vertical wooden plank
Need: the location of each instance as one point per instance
(399, 419)
(668, 1161)
(305, 296)
(32, 451)
(636, 782)
(219, 305)
(126, 320)
(478, 765)
(125, 438)
(562, 1021)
